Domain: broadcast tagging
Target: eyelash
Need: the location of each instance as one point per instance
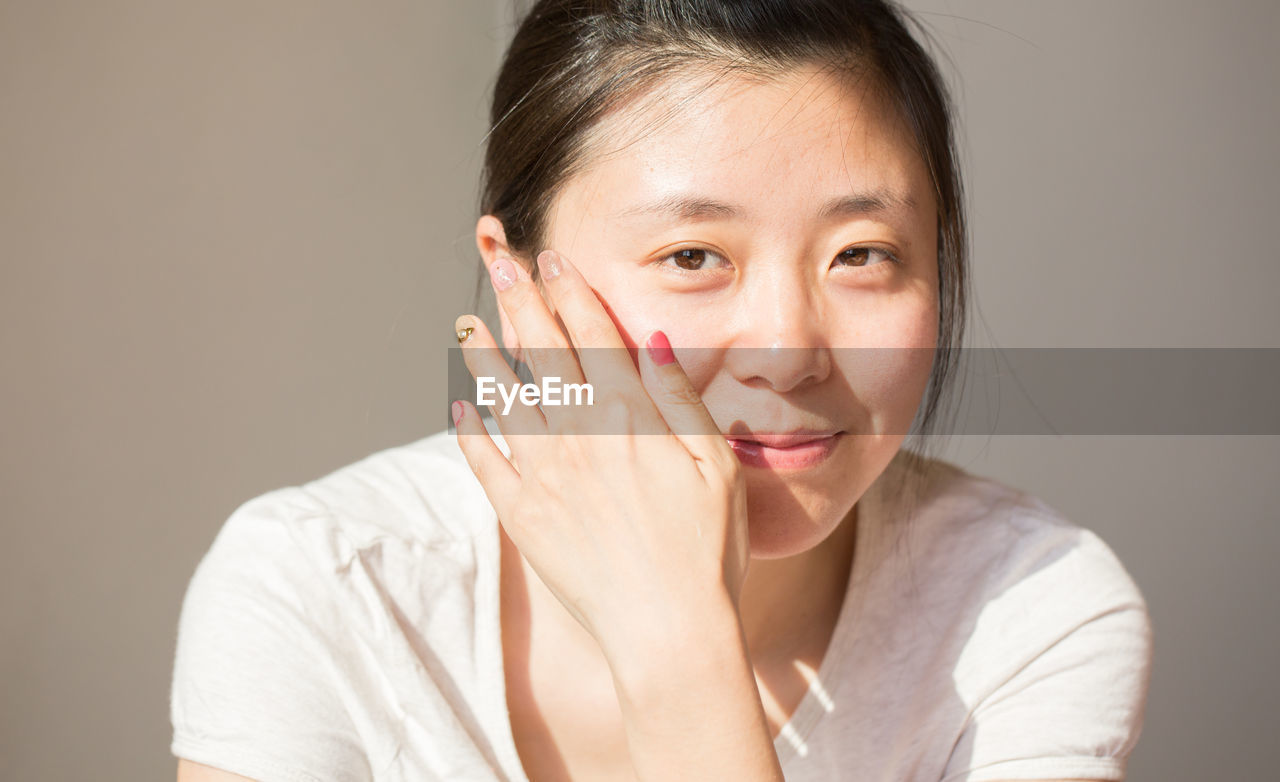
(889, 257)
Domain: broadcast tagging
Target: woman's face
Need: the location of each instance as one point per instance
(757, 225)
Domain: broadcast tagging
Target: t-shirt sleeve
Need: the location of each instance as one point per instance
(254, 688)
(1075, 639)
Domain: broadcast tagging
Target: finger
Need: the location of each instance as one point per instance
(681, 405)
(545, 347)
(603, 355)
(485, 363)
(497, 476)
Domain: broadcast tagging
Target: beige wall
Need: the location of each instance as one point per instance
(234, 237)
(1123, 177)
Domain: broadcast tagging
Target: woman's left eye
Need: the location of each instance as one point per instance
(865, 256)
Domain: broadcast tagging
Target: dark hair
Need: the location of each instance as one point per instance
(571, 62)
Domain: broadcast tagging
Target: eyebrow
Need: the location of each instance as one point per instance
(694, 208)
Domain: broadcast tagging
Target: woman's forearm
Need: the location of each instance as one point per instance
(691, 706)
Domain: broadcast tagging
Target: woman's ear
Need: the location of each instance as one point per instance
(491, 240)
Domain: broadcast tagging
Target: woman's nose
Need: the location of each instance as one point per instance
(781, 341)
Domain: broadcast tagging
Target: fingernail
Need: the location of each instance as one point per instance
(549, 263)
(503, 274)
(659, 349)
(463, 329)
(456, 410)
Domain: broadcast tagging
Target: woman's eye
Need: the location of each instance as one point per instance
(865, 256)
(694, 259)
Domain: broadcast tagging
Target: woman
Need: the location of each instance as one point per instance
(728, 567)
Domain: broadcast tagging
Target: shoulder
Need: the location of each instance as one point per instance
(421, 491)
(1030, 622)
(385, 521)
(1002, 578)
(982, 537)
(300, 592)
(420, 495)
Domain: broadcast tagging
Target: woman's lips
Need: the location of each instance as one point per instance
(784, 452)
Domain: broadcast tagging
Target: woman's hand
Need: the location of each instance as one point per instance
(632, 511)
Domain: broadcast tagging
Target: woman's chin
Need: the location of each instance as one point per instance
(784, 526)
(790, 513)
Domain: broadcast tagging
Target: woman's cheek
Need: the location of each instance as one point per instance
(886, 359)
(636, 316)
(631, 324)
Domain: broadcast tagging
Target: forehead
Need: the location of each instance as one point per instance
(770, 146)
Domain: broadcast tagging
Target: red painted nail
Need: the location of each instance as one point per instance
(457, 409)
(660, 349)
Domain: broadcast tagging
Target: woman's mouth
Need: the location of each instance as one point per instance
(784, 451)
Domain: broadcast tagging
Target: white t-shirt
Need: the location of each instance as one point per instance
(348, 629)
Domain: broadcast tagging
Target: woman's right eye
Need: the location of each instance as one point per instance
(693, 259)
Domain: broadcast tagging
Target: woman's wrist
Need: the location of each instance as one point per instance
(650, 649)
(691, 705)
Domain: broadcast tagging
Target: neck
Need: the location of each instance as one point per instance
(789, 605)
